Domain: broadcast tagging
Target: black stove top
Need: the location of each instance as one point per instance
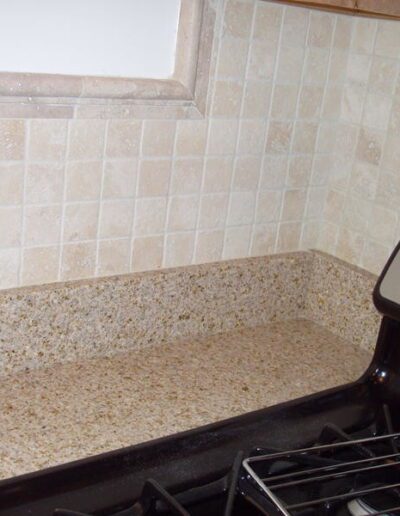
(334, 452)
(341, 475)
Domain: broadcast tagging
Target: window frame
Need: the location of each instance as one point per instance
(71, 96)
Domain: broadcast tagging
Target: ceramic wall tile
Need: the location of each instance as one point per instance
(300, 137)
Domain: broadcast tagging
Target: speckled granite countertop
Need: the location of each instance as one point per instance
(69, 411)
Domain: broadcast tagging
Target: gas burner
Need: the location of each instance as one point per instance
(340, 475)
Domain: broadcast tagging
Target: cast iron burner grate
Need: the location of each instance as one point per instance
(156, 500)
(341, 475)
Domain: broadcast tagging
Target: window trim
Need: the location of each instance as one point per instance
(69, 96)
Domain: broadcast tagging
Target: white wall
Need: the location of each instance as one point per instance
(127, 38)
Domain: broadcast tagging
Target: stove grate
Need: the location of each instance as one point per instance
(312, 478)
(154, 499)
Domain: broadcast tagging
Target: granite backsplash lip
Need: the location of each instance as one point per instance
(339, 297)
(56, 323)
(76, 320)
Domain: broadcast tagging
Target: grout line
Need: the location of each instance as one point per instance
(379, 166)
(338, 122)
(96, 268)
(168, 196)
(273, 87)
(122, 238)
(358, 127)
(238, 136)
(289, 154)
(207, 156)
(200, 196)
(138, 168)
(23, 207)
(314, 155)
(265, 132)
(64, 197)
(211, 87)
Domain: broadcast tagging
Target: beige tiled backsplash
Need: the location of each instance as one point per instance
(299, 149)
(361, 214)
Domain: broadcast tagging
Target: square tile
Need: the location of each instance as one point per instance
(149, 216)
(78, 261)
(273, 173)
(83, 180)
(247, 173)
(213, 209)
(279, 137)
(11, 183)
(114, 257)
(147, 253)
(186, 176)
(44, 183)
(294, 202)
(241, 209)
(388, 39)
(48, 140)
(262, 60)
(320, 30)
(251, 136)
(179, 249)
(227, 98)
(42, 225)
(237, 242)
(305, 136)
(40, 265)
(238, 17)
(9, 267)
(158, 138)
(209, 246)
(290, 65)
(182, 213)
(86, 139)
(300, 168)
(80, 221)
(222, 138)
(295, 25)
(256, 99)
(120, 179)
(268, 21)
(289, 234)
(232, 57)
(154, 177)
(123, 138)
(12, 139)
(191, 137)
(264, 239)
(116, 218)
(377, 110)
(10, 226)
(284, 101)
(364, 35)
(369, 148)
(217, 174)
(268, 206)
